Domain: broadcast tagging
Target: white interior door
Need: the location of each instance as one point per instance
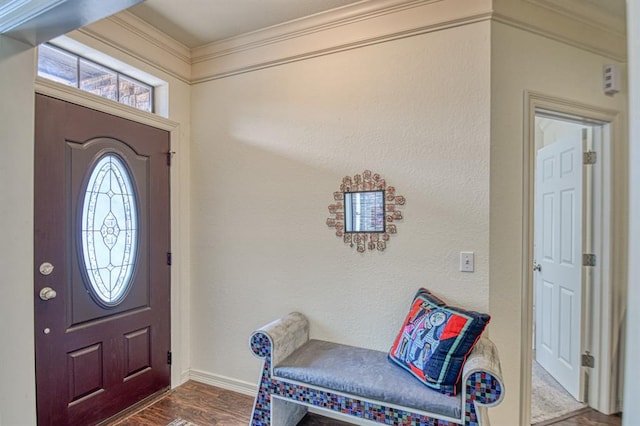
(558, 252)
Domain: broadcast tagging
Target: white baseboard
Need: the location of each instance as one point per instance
(223, 382)
(184, 377)
(251, 389)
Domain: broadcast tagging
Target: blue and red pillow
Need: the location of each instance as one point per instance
(435, 340)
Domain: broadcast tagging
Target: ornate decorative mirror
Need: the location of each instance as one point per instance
(364, 211)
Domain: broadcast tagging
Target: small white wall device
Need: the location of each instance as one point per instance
(611, 79)
(466, 261)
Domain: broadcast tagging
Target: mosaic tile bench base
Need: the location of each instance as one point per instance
(283, 403)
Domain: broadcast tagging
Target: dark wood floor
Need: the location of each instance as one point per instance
(590, 417)
(205, 405)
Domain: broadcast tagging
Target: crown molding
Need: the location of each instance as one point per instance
(361, 24)
(587, 13)
(151, 34)
(349, 27)
(303, 26)
(572, 22)
(603, 49)
(134, 37)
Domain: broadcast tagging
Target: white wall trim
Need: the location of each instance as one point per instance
(385, 20)
(218, 73)
(349, 27)
(251, 389)
(151, 34)
(601, 385)
(315, 23)
(223, 382)
(74, 95)
(588, 45)
(179, 304)
(151, 46)
(585, 12)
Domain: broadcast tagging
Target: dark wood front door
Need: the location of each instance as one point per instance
(102, 279)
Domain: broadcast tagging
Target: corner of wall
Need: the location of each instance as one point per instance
(17, 365)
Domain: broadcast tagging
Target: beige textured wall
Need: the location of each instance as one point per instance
(269, 149)
(17, 386)
(520, 62)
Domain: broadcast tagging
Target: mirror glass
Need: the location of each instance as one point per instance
(364, 211)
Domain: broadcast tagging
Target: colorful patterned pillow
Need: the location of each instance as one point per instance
(435, 340)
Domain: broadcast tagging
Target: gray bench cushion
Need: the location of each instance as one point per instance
(365, 373)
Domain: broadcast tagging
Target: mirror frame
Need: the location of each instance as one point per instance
(367, 240)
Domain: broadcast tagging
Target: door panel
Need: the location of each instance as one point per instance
(568, 228)
(548, 227)
(558, 250)
(546, 314)
(566, 325)
(102, 221)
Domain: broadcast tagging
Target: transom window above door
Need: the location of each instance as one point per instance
(74, 70)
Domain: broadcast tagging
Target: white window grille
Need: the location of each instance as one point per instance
(74, 70)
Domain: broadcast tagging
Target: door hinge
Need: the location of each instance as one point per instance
(169, 357)
(588, 259)
(170, 155)
(590, 157)
(588, 360)
(169, 258)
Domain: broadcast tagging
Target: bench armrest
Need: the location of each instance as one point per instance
(483, 364)
(483, 357)
(284, 336)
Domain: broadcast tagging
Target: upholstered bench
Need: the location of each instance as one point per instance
(299, 373)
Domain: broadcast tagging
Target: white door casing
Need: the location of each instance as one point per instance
(558, 252)
(603, 309)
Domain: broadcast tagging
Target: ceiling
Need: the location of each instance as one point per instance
(37, 21)
(198, 22)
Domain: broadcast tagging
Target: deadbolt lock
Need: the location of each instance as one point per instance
(47, 293)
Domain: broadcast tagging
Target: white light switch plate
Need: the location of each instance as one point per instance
(466, 261)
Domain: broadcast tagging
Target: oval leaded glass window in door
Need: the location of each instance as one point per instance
(109, 230)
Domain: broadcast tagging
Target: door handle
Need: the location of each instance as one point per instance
(537, 267)
(47, 293)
